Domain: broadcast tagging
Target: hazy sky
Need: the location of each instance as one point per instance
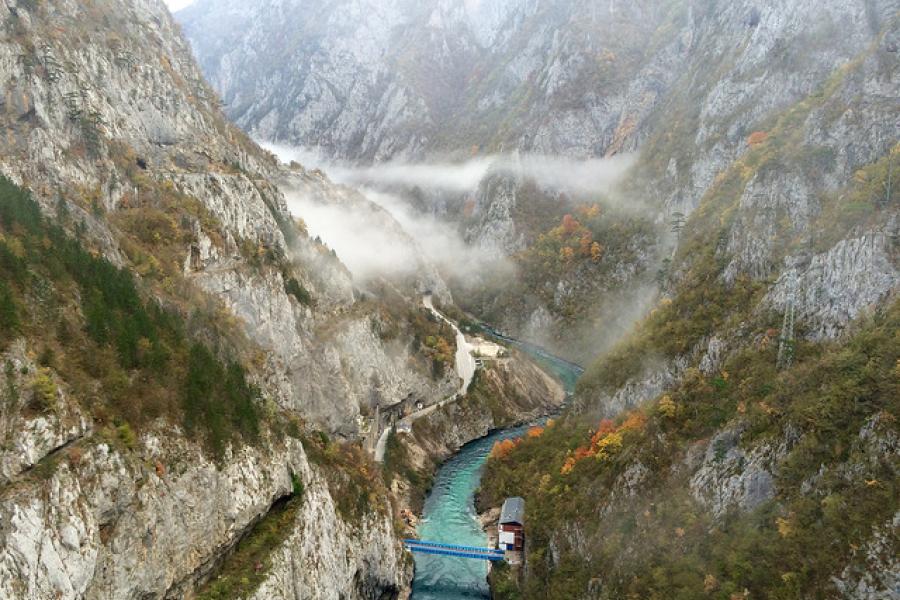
(178, 4)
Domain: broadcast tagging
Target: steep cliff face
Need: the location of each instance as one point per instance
(381, 80)
(109, 124)
(85, 126)
(98, 522)
(399, 79)
(737, 399)
(796, 209)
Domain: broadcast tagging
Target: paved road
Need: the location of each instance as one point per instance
(465, 368)
(465, 359)
(381, 445)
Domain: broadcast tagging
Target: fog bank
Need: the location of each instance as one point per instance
(595, 175)
(362, 238)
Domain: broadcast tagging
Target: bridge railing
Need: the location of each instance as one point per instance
(442, 549)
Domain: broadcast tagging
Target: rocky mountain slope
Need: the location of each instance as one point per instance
(171, 341)
(752, 413)
(161, 420)
(741, 442)
(378, 80)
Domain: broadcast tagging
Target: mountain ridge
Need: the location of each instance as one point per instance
(751, 411)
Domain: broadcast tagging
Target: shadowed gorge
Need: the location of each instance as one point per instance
(410, 299)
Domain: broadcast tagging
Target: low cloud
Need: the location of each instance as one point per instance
(369, 245)
(593, 175)
(357, 235)
(584, 176)
(440, 242)
(386, 238)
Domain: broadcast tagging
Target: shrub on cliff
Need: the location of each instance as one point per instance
(118, 350)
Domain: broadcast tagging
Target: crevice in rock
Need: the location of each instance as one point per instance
(367, 586)
(215, 564)
(47, 464)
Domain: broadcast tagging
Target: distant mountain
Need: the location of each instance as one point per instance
(374, 80)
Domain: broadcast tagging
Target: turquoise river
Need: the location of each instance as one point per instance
(449, 514)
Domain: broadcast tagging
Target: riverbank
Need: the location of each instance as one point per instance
(449, 517)
(501, 396)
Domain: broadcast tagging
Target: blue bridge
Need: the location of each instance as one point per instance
(453, 550)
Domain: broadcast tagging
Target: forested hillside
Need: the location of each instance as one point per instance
(742, 440)
(696, 199)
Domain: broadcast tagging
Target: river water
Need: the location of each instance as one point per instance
(449, 514)
(450, 517)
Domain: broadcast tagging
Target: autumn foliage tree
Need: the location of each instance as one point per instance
(570, 224)
(757, 137)
(503, 448)
(667, 407)
(589, 212)
(606, 441)
(562, 245)
(587, 239)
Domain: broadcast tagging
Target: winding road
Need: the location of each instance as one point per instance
(465, 358)
(465, 369)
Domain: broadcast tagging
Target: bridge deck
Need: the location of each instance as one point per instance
(456, 550)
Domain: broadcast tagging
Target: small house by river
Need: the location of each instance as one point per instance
(511, 530)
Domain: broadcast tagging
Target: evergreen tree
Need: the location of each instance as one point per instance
(241, 397)
(127, 344)
(9, 316)
(97, 315)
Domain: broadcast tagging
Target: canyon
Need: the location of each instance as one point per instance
(217, 230)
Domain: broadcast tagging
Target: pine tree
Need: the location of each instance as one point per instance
(127, 344)
(9, 316)
(97, 315)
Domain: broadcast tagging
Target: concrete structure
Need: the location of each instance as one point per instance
(487, 349)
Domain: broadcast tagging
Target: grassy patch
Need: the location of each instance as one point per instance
(246, 569)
